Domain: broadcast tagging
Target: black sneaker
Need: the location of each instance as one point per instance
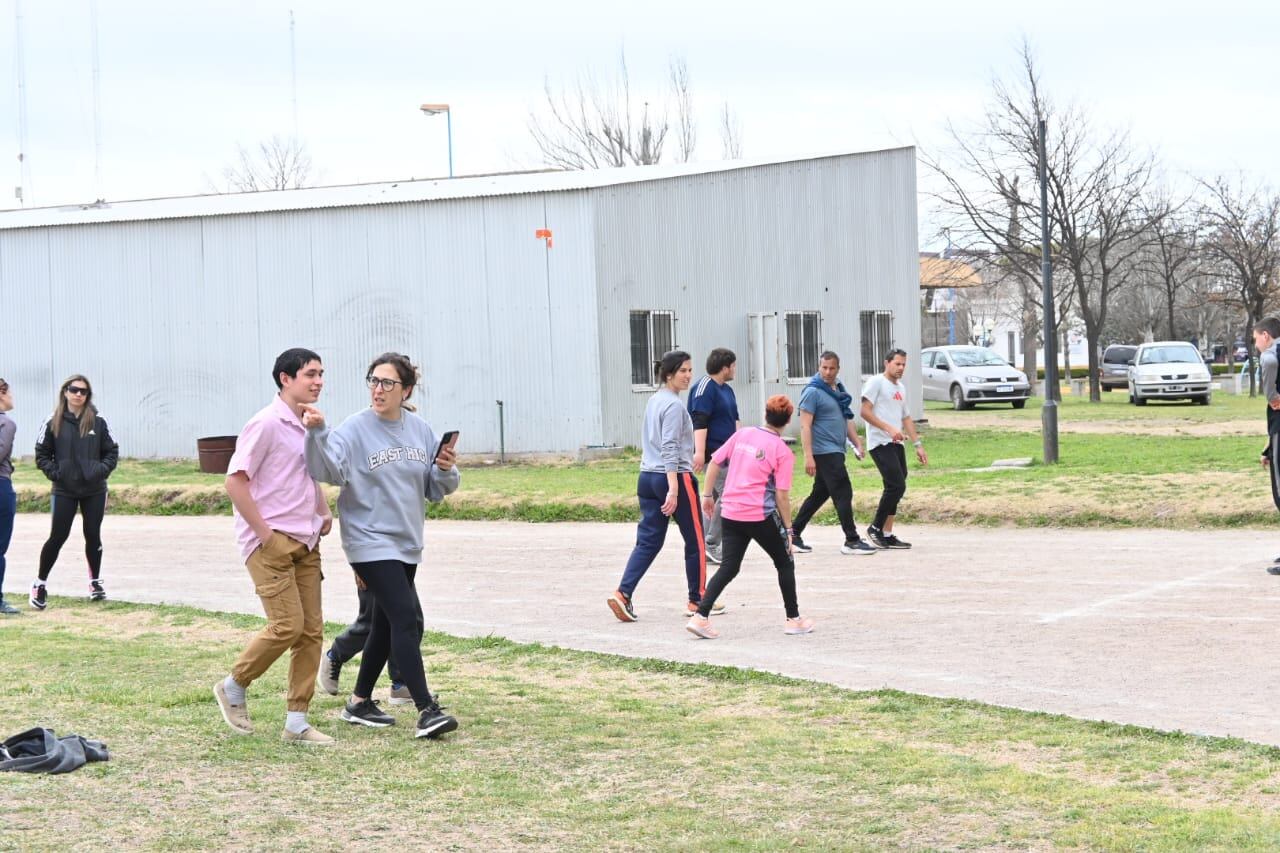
(1273, 570)
(6, 608)
(367, 713)
(96, 592)
(877, 537)
(797, 544)
(433, 721)
(893, 542)
(38, 596)
(858, 548)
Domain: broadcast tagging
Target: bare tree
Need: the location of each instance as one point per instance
(686, 124)
(1095, 188)
(1242, 235)
(277, 164)
(1170, 255)
(730, 134)
(596, 126)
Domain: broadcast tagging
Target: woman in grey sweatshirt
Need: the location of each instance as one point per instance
(666, 487)
(387, 461)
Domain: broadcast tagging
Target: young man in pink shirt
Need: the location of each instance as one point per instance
(280, 515)
(755, 506)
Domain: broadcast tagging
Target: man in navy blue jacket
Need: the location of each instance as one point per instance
(714, 410)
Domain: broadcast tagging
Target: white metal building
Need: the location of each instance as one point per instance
(552, 292)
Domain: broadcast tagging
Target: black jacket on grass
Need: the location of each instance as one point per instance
(78, 465)
(41, 751)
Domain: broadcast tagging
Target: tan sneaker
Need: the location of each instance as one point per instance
(400, 696)
(237, 716)
(308, 737)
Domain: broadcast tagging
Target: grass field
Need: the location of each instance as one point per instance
(1165, 464)
(566, 750)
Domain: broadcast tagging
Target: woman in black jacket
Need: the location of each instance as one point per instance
(77, 453)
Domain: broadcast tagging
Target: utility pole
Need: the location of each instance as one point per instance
(293, 72)
(97, 103)
(1049, 411)
(23, 190)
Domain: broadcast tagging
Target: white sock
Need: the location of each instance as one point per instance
(37, 582)
(296, 722)
(235, 693)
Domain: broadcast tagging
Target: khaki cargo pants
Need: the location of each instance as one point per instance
(287, 578)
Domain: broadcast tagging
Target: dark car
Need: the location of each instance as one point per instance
(1114, 372)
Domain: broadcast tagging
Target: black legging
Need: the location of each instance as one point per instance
(92, 508)
(351, 642)
(735, 536)
(395, 627)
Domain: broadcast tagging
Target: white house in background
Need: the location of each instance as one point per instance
(964, 302)
(542, 298)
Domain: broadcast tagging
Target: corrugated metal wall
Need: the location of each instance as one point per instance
(176, 322)
(835, 235)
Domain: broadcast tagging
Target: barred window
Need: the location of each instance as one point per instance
(804, 343)
(653, 334)
(877, 338)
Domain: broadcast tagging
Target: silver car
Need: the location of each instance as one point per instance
(967, 375)
(1168, 370)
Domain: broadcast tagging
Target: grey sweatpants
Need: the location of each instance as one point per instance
(711, 525)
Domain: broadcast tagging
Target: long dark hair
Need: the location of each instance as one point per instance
(405, 369)
(87, 414)
(670, 363)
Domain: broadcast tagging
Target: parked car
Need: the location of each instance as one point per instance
(967, 375)
(1114, 372)
(1168, 370)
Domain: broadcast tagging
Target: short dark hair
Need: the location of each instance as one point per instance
(670, 363)
(828, 355)
(894, 353)
(290, 362)
(1270, 325)
(718, 359)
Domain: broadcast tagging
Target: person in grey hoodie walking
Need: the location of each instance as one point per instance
(666, 487)
(387, 460)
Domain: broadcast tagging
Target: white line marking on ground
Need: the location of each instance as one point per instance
(1146, 592)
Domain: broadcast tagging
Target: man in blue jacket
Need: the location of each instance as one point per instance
(826, 424)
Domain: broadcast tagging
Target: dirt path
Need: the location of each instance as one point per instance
(1175, 630)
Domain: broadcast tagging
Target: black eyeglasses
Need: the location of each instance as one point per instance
(386, 384)
(77, 390)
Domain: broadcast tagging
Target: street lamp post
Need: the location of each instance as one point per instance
(435, 110)
(1049, 411)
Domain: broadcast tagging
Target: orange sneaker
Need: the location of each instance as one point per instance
(700, 626)
(798, 625)
(621, 607)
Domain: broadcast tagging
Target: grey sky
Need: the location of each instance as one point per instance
(180, 89)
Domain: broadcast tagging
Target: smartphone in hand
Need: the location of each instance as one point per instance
(449, 439)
